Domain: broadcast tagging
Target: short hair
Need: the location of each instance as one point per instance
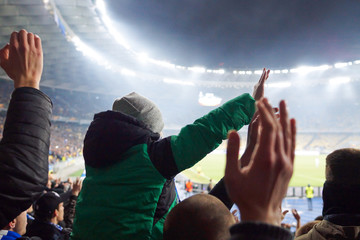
(343, 166)
(200, 217)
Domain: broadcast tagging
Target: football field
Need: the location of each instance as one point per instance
(309, 169)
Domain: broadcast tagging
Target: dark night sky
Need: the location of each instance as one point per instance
(241, 34)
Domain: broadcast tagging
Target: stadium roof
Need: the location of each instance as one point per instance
(83, 52)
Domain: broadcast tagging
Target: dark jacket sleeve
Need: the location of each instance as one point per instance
(259, 231)
(69, 212)
(220, 192)
(24, 152)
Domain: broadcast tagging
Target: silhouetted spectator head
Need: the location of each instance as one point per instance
(201, 216)
(142, 109)
(320, 218)
(50, 207)
(341, 191)
(343, 166)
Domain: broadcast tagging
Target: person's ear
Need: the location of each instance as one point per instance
(56, 213)
(12, 224)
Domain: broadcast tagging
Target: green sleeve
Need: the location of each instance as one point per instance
(196, 140)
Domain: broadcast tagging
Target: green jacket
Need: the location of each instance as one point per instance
(129, 186)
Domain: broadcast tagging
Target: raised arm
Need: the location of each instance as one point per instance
(25, 145)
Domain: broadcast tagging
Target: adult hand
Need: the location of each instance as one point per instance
(259, 188)
(258, 92)
(22, 59)
(77, 185)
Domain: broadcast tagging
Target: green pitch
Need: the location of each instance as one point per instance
(307, 170)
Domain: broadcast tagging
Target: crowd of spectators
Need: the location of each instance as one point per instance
(129, 190)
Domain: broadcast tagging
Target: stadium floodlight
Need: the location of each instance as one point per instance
(100, 4)
(180, 67)
(235, 72)
(128, 72)
(258, 72)
(284, 84)
(209, 100)
(339, 80)
(276, 71)
(209, 70)
(341, 64)
(162, 63)
(180, 82)
(220, 71)
(284, 71)
(242, 72)
(248, 72)
(357, 62)
(308, 69)
(142, 57)
(197, 69)
(89, 52)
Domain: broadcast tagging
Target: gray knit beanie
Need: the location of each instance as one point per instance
(142, 109)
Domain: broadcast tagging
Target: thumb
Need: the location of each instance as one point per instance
(232, 155)
(4, 55)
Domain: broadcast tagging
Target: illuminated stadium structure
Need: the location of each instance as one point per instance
(84, 54)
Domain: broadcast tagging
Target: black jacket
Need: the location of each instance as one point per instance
(24, 152)
(47, 231)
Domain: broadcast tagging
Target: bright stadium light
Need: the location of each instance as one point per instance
(220, 71)
(276, 71)
(242, 72)
(100, 5)
(341, 64)
(235, 72)
(339, 80)
(209, 100)
(279, 84)
(197, 69)
(142, 57)
(248, 72)
(180, 67)
(179, 82)
(89, 52)
(258, 72)
(162, 63)
(308, 69)
(357, 62)
(127, 72)
(284, 71)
